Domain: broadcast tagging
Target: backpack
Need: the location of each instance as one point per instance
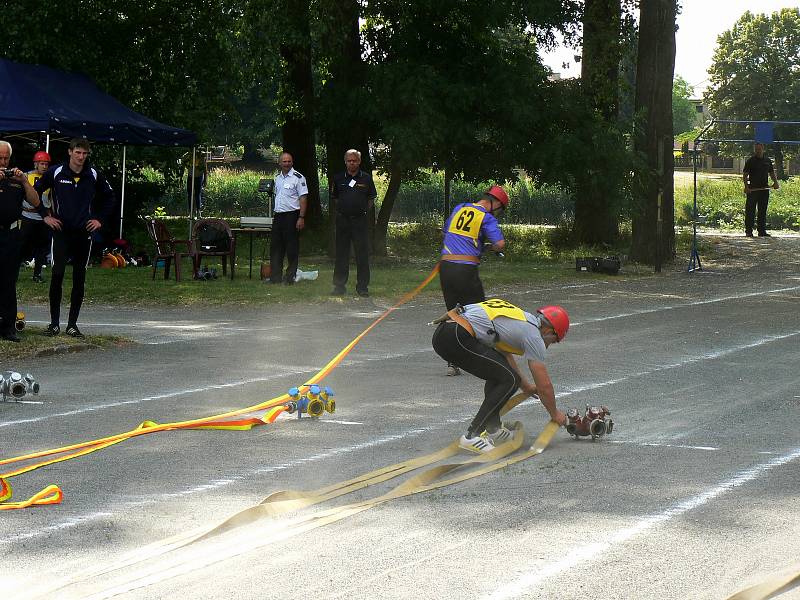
(212, 239)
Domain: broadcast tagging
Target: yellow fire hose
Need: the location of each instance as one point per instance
(52, 494)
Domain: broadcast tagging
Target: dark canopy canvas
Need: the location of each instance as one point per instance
(37, 98)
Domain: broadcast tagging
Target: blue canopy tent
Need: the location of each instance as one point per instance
(34, 98)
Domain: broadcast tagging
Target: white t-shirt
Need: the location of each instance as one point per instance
(288, 190)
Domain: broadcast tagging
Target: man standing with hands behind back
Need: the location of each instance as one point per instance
(291, 204)
(756, 186)
(354, 192)
(14, 189)
(82, 200)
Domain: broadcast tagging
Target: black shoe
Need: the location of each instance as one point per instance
(52, 330)
(763, 234)
(73, 331)
(363, 293)
(748, 234)
(38, 279)
(11, 336)
(338, 291)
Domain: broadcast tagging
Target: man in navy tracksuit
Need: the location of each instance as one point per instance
(82, 202)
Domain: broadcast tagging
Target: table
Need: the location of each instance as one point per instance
(251, 231)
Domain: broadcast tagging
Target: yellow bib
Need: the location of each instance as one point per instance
(495, 307)
(467, 221)
(32, 177)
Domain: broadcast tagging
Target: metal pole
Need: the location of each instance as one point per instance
(191, 192)
(47, 144)
(660, 200)
(122, 194)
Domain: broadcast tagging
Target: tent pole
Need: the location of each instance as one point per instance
(122, 201)
(191, 192)
(47, 144)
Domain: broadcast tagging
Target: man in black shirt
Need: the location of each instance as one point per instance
(14, 188)
(82, 201)
(353, 192)
(756, 187)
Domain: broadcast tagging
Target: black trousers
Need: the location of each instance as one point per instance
(457, 346)
(460, 284)
(9, 268)
(755, 200)
(355, 231)
(284, 242)
(35, 242)
(78, 245)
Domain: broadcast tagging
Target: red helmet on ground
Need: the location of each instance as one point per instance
(498, 194)
(558, 318)
(41, 156)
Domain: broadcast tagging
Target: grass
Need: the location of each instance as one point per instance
(36, 342)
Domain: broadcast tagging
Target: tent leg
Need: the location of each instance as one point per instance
(191, 191)
(122, 200)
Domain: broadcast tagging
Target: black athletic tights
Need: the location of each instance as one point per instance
(456, 345)
(78, 245)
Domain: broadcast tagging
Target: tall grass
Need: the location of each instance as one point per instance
(720, 204)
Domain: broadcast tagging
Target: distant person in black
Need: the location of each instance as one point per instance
(14, 189)
(354, 193)
(82, 200)
(756, 186)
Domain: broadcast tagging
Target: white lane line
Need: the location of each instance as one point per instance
(124, 508)
(173, 394)
(225, 482)
(684, 447)
(523, 584)
(645, 311)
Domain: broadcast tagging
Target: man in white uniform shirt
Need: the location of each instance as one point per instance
(291, 204)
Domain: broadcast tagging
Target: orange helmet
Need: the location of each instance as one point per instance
(41, 156)
(498, 194)
(558, 318)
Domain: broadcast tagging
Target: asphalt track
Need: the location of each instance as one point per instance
(694, 495)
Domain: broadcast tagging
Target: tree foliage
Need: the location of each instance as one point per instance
(683, 111)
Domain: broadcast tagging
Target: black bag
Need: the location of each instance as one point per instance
(212, 239)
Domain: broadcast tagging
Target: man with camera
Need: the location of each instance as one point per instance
(82, 200)
(14, 190)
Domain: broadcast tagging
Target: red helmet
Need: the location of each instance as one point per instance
(41, 156)
(498, 194)
(558, 318)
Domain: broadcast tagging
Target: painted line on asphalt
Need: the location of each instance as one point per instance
(681, 446)
(219, 483)
(645, 311)
(125, 507)
(524, 584)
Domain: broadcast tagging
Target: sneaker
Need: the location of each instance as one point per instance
(501, 436)
(748, 234)
(52, 330)
(363, 293)
(763, 234)
(11, 336)
(338, 291)
(452, 370)
(477, 444)
(73, 331)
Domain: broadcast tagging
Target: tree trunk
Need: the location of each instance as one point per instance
(597, 190)
(654, 75)
(780, 172)
(343, 125)
(297, 131)
(381, 232)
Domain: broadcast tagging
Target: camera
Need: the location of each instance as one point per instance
(9, 172)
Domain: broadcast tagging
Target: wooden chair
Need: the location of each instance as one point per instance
(223, 233)
(167, 247)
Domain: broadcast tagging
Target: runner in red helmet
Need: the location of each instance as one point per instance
(35, 235)
(469, 227)
(483, 339)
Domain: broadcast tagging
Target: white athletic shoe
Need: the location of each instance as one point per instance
(477, 444)
(501, 436)
(452, 370)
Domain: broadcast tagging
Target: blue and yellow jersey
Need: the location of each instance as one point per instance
(467, 228)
